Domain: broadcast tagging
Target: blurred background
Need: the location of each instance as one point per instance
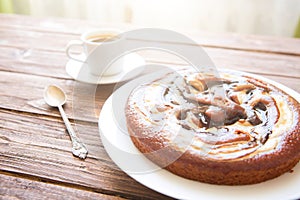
(263, 17)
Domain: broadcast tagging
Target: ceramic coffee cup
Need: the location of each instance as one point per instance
(98, 51)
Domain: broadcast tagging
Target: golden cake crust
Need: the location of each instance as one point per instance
(266, 156)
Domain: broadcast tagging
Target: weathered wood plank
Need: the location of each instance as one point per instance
(256, 43)
(262, 63)
(21, 49)
(36, 62)
(56, 25)
(35, 40)
(53, 63)
(38, 146)
(225, 40)
(19, 188)
(25, 93)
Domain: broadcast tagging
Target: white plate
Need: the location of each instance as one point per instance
(132, 67)
(114, 134)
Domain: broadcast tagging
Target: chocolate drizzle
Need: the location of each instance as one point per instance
(233, 116)
(210, 102)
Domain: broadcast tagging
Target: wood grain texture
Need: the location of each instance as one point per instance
(83, 102)
(21, 52)
(23, 92)
(46, 63)
(278, 66)
(253, 62)
(225, 40)
(39, 146)
(35, 150)
(20, 188)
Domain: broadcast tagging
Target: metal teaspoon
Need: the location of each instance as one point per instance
(55, 97)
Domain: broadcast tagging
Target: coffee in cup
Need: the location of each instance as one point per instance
(98, 51)
(103, 38)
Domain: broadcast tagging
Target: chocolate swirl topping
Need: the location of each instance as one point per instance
(231, 116)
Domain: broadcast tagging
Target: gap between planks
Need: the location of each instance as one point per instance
(85, 174)
(148, 61)
(65, 184)
(249, 63)
(72, 27)
(264, 51)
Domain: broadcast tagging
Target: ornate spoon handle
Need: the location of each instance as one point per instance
(78, 148)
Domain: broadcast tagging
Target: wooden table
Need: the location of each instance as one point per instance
(35, 150)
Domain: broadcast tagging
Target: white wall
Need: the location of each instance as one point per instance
(269, 17)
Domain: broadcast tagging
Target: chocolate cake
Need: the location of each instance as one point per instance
(230, 129)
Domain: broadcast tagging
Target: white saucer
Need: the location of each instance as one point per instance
(133, 63)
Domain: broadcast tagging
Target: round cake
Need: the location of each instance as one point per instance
(228, 129)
